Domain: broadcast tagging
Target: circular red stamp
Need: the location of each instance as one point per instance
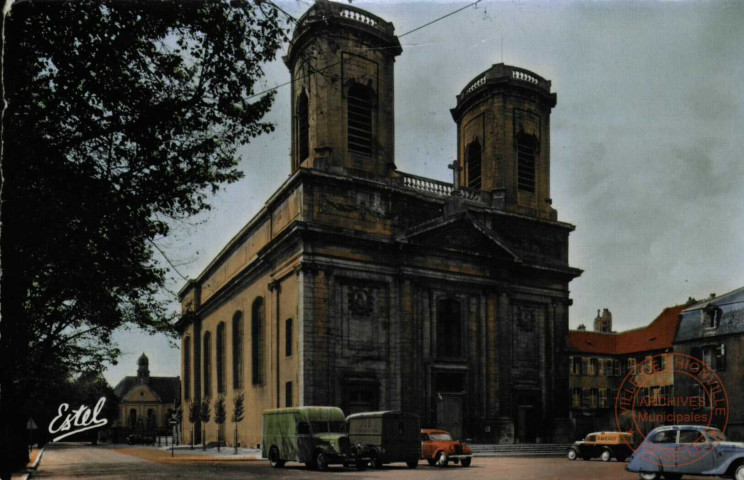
(672, 389)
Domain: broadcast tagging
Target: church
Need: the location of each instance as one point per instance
(360, 286)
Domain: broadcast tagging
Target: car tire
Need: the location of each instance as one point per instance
(321, 462)
(605, 456)
(649, 476)
(412, 463)
(739, 472)
(572, 454)
(274, 459)
(431, 462)
(442, 460)
(374, 460)
(466, 462)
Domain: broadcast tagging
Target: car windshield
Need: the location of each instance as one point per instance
(328, 427)
(716, 436)
(440, 436)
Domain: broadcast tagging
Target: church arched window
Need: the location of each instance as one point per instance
(221, 358)
(359, 118)
(237, 350)
(449, 328)
(132, 418)
(303, 127)
(473, 164)
(526, 159)
(187, 368)
(207, 364)
(257, 334)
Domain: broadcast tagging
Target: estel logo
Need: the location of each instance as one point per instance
(83, 417)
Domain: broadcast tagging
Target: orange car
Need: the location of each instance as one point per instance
(438, 448)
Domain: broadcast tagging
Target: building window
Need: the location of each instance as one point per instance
(593, 366)
(576, 397)
(631, 364)
(152, 421)
(575, 365)
(526, 154)
(586, 398)
(237, 349)
(288, 394)
(473, 164)
(257, 353)
(303, 127)
(187, 368)
(449, 328)
(221, 358)
(132, 418)
(288, 337)
(603, 398)
(618, 368)
(359, 109)
(584, 366)
(207, 353)
(712, 317)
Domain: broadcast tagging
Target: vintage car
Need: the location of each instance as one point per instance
(135, 439)
(602, 445)
(315, 436)
(386, 437)
(672, 451)
(438, 448)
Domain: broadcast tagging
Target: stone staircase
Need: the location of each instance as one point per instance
(520, 450)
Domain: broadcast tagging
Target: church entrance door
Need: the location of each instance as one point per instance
(449, 413)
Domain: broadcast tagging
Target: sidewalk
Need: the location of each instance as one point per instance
(182, 454)
(34, 459)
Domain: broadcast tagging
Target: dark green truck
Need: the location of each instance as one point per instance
(315, 436)
(386, 437)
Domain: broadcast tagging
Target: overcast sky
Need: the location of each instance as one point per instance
(646, 143)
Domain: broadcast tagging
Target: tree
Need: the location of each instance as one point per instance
(237, 415)
(122, 118)
(194, 412)
(204, 414)
(220, 415)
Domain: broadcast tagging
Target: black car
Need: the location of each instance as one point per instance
(136, 439)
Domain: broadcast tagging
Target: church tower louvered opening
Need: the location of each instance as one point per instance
(342, 61)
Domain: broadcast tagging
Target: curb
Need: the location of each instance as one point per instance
(38, 459)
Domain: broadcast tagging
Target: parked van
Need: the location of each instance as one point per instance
(315, 436)
(386, 437)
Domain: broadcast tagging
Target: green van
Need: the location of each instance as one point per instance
(315, 436)
(386, 437)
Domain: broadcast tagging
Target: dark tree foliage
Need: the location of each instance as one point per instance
(122, 117)
(205, 413)
(237, 415)
(220, 415)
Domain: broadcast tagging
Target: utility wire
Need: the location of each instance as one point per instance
(319, 70)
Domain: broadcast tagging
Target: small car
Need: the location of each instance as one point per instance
(315, 436)
(602, 445)
(672, 451)
(140, 439)
(386, 437)
(438, 448)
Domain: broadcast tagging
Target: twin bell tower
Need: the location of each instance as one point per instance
(342, 62)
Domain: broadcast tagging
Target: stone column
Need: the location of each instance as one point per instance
(505, 422)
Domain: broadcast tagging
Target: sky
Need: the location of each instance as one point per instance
(645, 143)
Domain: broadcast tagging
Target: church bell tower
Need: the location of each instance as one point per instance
(503, 139)
(341, 59)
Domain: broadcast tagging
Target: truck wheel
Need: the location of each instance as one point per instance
(739, 474)
(466, 462)
(571, 454)
(649, 476)
(274, 459)
(606, 455)
(321, 462)
(374, 459)
(442, 459)
(412, 463)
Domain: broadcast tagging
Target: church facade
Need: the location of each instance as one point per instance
(364, 287)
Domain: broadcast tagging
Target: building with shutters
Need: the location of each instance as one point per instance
(364, 287)
(713, 331)
(600, 360)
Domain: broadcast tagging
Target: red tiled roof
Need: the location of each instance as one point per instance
(658, 335)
